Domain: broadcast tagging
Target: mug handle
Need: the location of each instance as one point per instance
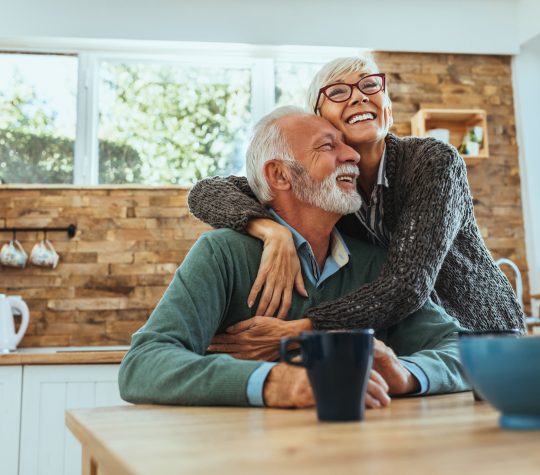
(52, 250)
(18, 245)
(286, 356)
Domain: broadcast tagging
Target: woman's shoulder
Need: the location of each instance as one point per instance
(423, 152)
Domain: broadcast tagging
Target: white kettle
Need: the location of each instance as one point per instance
(8, 338)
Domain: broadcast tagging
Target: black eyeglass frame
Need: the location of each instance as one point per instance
(323, 90)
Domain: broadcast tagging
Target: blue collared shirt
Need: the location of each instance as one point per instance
(336, 259)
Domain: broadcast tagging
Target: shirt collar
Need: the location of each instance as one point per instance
(338, 249)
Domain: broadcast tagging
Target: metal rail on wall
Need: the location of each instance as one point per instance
(71, 230)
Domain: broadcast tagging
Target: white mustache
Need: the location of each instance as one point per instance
(346, 170)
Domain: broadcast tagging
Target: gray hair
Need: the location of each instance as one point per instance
(267, 143)
(335, 70)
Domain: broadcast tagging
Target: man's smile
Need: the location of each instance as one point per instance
(347, 180)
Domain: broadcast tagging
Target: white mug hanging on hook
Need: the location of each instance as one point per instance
(12, 254)
(44, 255)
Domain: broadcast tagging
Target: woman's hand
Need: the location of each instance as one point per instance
(279, 270)
(257, 338)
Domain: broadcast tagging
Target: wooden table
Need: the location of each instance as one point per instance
(448, 434)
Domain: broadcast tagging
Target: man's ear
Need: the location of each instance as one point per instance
(277, 175)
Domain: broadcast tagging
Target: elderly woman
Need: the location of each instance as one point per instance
(416, 203)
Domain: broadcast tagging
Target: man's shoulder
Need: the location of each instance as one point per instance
(429, 153)
(227, 238)
(362, 250)
(223, 247)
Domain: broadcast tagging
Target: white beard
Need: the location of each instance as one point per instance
(326, 194)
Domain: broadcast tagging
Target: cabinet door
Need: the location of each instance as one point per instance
(47, 446)
(10, 417)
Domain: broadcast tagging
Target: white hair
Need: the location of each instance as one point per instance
(326, 194)
(267, 143)
(334, 71)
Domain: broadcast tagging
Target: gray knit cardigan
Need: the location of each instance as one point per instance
(435, 248)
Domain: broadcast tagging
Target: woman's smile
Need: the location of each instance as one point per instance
(361, 117)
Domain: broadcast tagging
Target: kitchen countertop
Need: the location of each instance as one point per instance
(65, 355)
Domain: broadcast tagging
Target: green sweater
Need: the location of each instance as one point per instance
(167, 364)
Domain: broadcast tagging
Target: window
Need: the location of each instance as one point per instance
(148, 114)
(165, 123)
(37, 118)
(292, 82)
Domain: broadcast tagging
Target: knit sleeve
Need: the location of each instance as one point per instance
(432, 215)
(225, 202)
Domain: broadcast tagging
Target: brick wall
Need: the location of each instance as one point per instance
(111, 274)
(130, 240)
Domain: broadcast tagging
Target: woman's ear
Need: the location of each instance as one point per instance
(389, 113)
(277, 175)
(390, 116)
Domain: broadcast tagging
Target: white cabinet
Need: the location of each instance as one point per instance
(33, 399)
(10, 417)
(47, 446)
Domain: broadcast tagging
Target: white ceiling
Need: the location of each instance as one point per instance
(461, 26)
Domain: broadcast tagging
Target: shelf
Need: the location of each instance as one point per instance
(457, 121)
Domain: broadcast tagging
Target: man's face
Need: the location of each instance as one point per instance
(325, 170)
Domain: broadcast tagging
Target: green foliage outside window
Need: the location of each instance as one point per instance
(32, 158)
(48, 159)
(30, 150)
(161, 125)
(185, 123)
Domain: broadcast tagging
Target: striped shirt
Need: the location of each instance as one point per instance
(371, 212)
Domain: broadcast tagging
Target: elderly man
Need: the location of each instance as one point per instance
(299, 165)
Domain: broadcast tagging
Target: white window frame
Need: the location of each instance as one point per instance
(86, 160)
(91, 53)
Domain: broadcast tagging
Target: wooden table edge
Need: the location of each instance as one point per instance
(96, 458)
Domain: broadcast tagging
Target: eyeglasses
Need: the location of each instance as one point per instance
(341, 92)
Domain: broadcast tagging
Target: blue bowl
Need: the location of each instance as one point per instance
(505, 370)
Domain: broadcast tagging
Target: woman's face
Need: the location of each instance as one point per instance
(362, 119)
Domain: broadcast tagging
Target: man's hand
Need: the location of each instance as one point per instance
(257, 338)
(399, 379)
(377, 391)
(287, 386)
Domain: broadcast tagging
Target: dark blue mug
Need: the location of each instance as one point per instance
(338, 365)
